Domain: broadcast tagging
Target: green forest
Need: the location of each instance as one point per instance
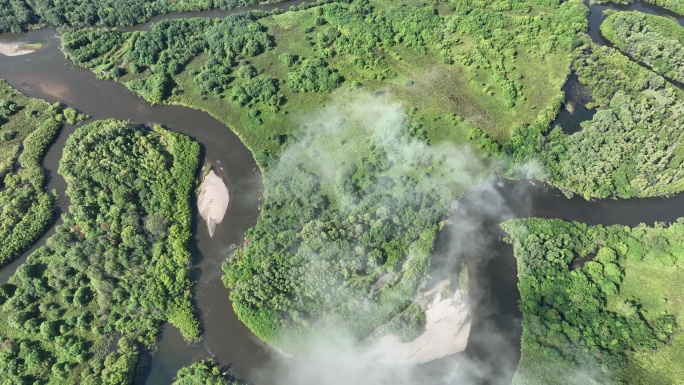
(206, 372)
(27, 128)
(600, 304)
(17, 15)
(353, 246)
(257, 72)
(368, 119)
(655, 41)
(631, 147)
(82, 306)
(261, 72)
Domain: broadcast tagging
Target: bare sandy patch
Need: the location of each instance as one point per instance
(14, 49)
(213, 201)
(447, 328)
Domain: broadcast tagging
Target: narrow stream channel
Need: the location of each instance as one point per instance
(46, 74)
(596, 16)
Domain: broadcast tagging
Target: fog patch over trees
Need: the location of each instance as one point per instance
(360, 260)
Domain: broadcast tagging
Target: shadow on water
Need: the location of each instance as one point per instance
(494, 344)
(574, 111)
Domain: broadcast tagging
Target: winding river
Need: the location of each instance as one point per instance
(46, 74)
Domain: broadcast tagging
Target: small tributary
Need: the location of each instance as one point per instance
(596, 16)
(46, 74)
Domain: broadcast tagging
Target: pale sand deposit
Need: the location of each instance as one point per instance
(213, 201)
(13, 49)
(447, 328)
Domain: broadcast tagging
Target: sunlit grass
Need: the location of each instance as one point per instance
(659, 289)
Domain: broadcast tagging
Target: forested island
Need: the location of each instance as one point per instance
(79, 308)
(27, 127)
(369, 121)
(205, 372)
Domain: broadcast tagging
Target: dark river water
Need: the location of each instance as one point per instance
(494, 345)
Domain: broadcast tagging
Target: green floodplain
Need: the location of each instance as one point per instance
(354, 111)
(28, 126)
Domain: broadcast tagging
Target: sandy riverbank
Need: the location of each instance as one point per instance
(213, 201)
(447, 328)
(14, 49)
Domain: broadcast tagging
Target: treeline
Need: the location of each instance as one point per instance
(81, 306)
(170, 46)
(206, 372)
(576, 315)
(16, 15)
(27, 127)
(655, 41)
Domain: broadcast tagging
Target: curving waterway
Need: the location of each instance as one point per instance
(494, 344)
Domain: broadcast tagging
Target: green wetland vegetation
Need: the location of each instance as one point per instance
(81, 306)
(369, 226)
(17, 15)
(655, 41)
(616, 318)
(369, 119)
(27, 127)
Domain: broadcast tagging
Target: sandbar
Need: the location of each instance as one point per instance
(14, 49)
(212, 201)
(447, 328)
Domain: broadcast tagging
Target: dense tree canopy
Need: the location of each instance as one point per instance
(203, 373)
(317, 258)
(360, 232)
(115, 270)
(584, 304)
(348, 225)
(15, 15)
(630, 148)
(27, 127)
(653, 40)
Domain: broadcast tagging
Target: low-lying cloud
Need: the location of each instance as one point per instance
(471, 234)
